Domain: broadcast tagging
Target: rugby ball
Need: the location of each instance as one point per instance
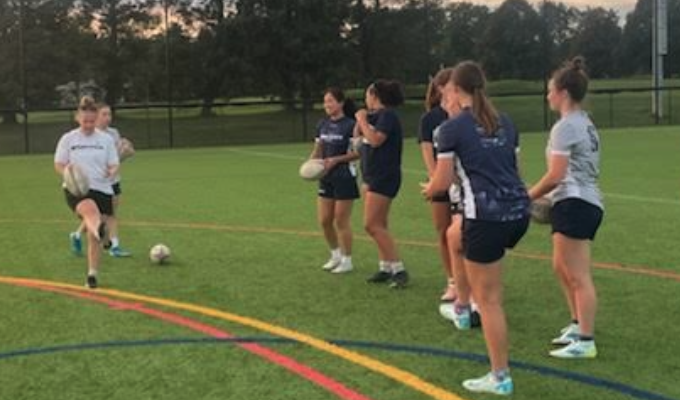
(75, 181)
(159, 254)
(540, 210)
(312, 169)
(125, 149)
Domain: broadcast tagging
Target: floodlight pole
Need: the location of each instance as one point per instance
(22, 73)
(168, 71)
(659, 50)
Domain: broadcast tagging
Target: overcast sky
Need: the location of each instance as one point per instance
(623, 6)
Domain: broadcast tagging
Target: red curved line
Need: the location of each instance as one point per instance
(288, 363)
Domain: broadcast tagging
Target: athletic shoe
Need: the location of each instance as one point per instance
(380, 277)
(577, 349)
(91, 282)
(118, 252)
(76, 244)
(399, 280)
(567, 336)
(343, 268)
(490, 384)
(332, 264)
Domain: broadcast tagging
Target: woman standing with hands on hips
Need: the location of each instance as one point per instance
(381, 150)
(483, 146)
(573, 157)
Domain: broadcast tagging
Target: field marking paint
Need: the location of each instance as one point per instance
(422, 173)
(570, 376)
(304, 371)
(610, 266)
(406, 378)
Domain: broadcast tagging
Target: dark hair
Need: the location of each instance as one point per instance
(470, 77)
(433, 98)
(573, 78)
(390, 93)
(349, 108)
(88, 103)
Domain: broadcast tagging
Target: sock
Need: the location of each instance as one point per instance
(574, 322)
(397, 267)
(115, 242)
(584, 338)
(501, 374)
(346, 259)
(460, 308)
(76, 234)
(385, 266)
(336, 254)
(91, 272)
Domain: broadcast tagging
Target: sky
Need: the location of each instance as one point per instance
(622, 6)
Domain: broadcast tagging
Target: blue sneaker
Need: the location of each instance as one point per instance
(76, 243)
(490, 384)
(117, 252)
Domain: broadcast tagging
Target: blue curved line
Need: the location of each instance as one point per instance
(411, 349)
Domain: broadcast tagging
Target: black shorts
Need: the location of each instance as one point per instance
(339, 189)
(388, 187)
(103, 201)
(117, 190)
(485, 242)
(576, 219)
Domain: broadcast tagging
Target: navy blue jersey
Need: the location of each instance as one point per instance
(429, 126)
(383, 162)
(487, 167)
(335, 137)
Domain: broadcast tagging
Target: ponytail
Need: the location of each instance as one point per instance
(470, 78)
(349, 108)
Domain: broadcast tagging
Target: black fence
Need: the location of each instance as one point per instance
(264, 121)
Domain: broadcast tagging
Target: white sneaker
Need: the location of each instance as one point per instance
(568, 335)
(344, 267)
(332, 264)
(461, 321)
(489, 384)
(577, 349)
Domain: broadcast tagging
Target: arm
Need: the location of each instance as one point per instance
(374, 137)
(557, 171)
(442, 178)
(59, 168)
(316, 151)
(427, 150)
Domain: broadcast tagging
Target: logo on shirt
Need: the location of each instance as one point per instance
(87, 147)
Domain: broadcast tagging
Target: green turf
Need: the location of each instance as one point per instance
(175, 196)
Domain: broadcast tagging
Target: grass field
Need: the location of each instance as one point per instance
(242, 228)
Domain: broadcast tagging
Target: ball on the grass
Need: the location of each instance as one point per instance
(75, 181)
(159, 254)
(540, 210)
(312, 169)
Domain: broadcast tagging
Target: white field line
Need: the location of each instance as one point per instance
(617, 196)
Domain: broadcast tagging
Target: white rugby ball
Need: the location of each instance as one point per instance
(75, 180)
(159, 254)
(540, 210)
(312, 169)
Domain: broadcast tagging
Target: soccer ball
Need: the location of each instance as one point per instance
(159, 254)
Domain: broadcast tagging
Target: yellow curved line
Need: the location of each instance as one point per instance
(399, 375)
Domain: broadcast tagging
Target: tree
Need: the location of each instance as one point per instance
(511, 44)
(464, 27)
(598, 40)
(559, 28)
(636, 53)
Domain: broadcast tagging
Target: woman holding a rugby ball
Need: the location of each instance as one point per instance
(94, 153)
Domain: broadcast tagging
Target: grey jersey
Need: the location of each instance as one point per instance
(576, 137)
(94, 153)
(115, 135)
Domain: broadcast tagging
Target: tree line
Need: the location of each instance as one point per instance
(221, 49)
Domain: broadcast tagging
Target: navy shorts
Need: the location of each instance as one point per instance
(388, 187)
(103, 201)
(485, 242)
(117, 190)
(576, 219)
(345, 188)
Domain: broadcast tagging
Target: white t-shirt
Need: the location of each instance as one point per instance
(94, 154)
(115, 135)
